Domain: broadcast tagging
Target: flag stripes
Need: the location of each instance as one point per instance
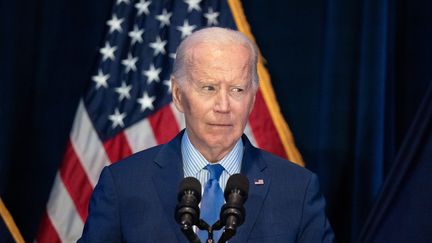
(164, 125)
(117, 147)
(76, 182)
(47, 233)
(87, 145)
(140, 136)
(62, 214)
(264, 129)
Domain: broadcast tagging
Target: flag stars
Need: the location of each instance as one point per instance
(115, 24)
(186, 29)
(193, 4)
(172, 55)
(143, 7)
(211, 17)
(130, 63)
(107, 51)
(146, 102)
(117, 119)
(101, 79)
(158, 46)
(152, 74)
(136, 35)
(123, 91)
(168, 83)
(122, 1)
(164, 18)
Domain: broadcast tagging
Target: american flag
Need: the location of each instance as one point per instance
(128, 106)
(259, 182)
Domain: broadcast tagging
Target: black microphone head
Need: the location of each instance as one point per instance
(187, 211)
(190, 184)
(233, 212)
(237, 182)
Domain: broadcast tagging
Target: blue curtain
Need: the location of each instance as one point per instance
(47, 51)
(403, 212)
(356, 101)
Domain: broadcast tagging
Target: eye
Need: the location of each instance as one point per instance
(208, 88)
(237, 90)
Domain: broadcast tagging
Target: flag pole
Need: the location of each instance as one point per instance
(10, 224)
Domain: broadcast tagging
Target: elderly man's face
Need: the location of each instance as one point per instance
(216, 97)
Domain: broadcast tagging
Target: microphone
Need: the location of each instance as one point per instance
(233, 213)
(187, 211)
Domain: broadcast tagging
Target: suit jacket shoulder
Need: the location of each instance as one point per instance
(286, 205)
(135, 198)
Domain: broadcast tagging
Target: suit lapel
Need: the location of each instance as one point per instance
(168, 175)
(253, 168)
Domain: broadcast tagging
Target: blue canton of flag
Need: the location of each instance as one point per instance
(132, 79)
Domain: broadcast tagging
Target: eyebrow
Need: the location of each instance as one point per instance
(206, 81)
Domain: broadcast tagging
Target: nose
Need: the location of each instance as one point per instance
(222, 103)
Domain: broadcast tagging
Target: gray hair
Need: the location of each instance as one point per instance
(214, 35)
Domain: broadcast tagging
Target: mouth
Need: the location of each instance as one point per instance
(222, 125)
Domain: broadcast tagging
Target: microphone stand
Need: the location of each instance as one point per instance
(226, 235)
(189, 233)
(202, 225)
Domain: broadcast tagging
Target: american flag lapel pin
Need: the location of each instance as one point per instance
(259, 182)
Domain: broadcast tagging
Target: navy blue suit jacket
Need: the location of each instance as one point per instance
(135, 200)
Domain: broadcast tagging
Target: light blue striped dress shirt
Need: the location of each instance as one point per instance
(194, 162)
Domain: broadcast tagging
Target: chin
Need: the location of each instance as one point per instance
(222, 142)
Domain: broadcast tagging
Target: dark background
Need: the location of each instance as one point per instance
(349, 77)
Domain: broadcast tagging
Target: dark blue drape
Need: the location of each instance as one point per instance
(356, 100)
(47, 53)
(349, 77)
(403, 211)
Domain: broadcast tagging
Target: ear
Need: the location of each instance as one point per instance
(177, 94)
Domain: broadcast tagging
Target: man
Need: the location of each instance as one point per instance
(214, 84)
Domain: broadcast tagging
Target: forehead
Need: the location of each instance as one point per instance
(219, 61)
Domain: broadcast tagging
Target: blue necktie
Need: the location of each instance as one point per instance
(212, 201)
